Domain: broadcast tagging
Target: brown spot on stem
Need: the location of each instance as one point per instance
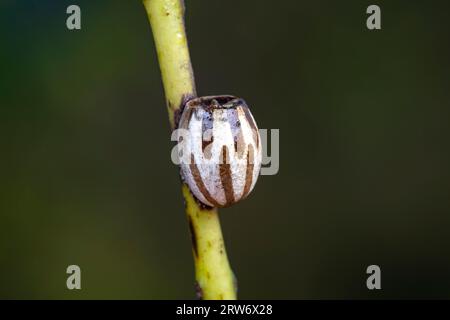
(198, 291)
(193, 236)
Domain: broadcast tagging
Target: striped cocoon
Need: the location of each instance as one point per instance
(220, 149)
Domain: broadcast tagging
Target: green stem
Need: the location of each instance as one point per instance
(214, 276)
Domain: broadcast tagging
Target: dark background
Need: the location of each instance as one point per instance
(364, 176)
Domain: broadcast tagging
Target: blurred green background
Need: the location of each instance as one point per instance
(364, 176)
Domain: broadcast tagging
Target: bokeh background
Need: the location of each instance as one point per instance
(364, 176)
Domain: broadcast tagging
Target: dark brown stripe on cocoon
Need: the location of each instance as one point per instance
(226, 177)
(249, 171)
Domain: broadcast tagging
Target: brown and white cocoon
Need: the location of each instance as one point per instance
(220, 147)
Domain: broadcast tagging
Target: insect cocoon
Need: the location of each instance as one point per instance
(220, 147)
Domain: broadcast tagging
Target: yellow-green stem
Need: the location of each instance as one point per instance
(214, 276)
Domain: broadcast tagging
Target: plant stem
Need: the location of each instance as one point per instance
(215, 279)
